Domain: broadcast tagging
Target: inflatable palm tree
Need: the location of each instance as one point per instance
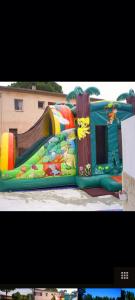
(79, 91)
(124, 96)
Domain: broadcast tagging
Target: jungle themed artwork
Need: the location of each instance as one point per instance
(83, 127)
(112, 116)
(83, 135)
(56, 158)
(112, 109)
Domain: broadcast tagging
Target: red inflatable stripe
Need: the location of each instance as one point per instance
(11, 152)
(67, 114)
(63, 111)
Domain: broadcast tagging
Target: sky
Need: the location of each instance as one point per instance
(114, 292)
(108, 90)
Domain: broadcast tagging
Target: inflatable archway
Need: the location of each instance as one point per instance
(60, 117)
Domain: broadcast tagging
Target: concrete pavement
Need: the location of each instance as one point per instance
(60, 199)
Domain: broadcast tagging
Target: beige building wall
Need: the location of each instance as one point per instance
(128, 184)
(46, 295)
(23, 120)
(129, 204)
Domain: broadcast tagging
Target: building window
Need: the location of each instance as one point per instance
(51, 103)
(41, 104)
(38, 294)
(13, 130)
(18, 104)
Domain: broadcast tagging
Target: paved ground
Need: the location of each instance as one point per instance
(61, 199)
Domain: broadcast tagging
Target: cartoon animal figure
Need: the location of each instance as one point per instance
(56, 172)
(112, 116)
(48, 172)
(69, 159)
(55, 169)
(83, 127)
(52, 170)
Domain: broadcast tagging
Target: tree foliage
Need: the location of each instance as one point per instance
(49, 86)
(15, 296)
(124, 96)
(87, 297)
(18, 296)
(6, 291)
(79, 91)
(92, 91)
(81, 293)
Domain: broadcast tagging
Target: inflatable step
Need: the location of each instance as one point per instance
(110, 184)
(90, 181)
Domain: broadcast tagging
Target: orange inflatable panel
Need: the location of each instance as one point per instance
(68, 115)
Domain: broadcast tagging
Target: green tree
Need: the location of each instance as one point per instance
(79, 91)
(16, 296)
(123, 294)
(31, 296)
(7, 291)
(88, 297)
(49, 86)
(130, 296)
(81, 293)
(124, 96)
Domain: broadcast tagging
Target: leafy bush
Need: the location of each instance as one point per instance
(50, 86)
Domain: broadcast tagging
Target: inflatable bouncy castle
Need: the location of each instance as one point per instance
(68, 146)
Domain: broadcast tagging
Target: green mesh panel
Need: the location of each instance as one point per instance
(29, 152)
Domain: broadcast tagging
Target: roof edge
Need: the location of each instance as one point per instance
(42, 92)
(10, 89)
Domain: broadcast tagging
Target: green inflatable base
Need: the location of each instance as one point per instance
(111, 185)
(104, 181)
(37, 183)
(41, 183)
